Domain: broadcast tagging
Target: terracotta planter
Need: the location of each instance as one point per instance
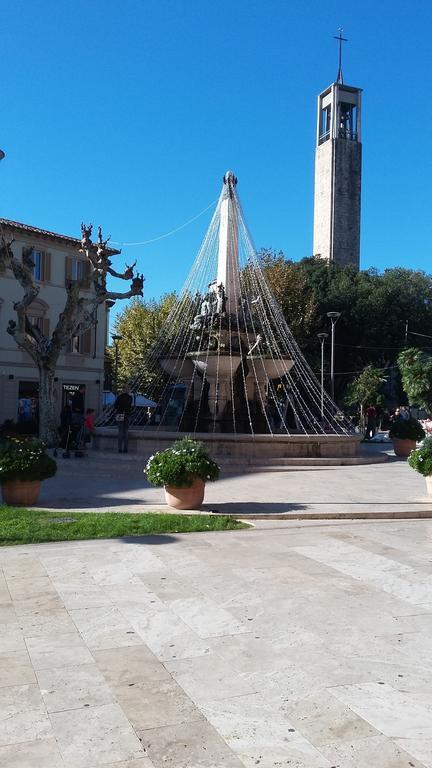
(20, 493)
(403, 447)
(185, 498)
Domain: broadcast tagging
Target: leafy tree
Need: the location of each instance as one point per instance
(375, 308)
(293, 292)
(139, 324)
(365, 389)
(416, 372)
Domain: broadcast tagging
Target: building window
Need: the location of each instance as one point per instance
(42, 265)
(77, 269)
(325, 122)
(37, 312)
(347, 121)
(41, 323)
(80, 344)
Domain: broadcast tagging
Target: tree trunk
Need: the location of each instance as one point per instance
(47, 407)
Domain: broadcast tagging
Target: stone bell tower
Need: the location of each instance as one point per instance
(338, 158)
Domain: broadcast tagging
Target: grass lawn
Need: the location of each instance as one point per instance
(30, 526)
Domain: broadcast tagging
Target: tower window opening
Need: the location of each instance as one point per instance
(324, 129)
(347, 124)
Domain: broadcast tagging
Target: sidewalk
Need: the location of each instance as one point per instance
(112, 482)
(297, 645)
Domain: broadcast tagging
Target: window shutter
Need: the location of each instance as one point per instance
(46, 326)
(46, 267)
(86, 273)
(86, 340)
(68, 266)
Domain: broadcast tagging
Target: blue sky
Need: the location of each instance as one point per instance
(128, 114)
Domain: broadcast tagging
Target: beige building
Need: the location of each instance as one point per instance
(57, 259)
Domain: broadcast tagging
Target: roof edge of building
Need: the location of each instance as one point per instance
(29, 229)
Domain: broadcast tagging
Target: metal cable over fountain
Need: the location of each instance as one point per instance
(225, 361)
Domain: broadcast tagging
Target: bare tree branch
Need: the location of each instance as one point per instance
(79, 313)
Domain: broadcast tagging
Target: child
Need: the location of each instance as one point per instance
(89, 426)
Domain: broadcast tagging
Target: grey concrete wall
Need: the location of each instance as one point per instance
(337, 202)
(346, 207)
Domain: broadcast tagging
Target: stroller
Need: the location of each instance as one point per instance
(75, 438)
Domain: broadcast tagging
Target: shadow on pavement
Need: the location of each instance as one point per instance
(244, 508)
(155, 540)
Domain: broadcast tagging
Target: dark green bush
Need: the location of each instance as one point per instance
(407, 429)
(181, 464)
(25, 460)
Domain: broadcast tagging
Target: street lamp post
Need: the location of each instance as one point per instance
(334, 317)
(116, 338)
(322, 337)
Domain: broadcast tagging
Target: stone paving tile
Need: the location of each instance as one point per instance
(322, 719)
(77, 595)
(104, 627)
(23, 716)
(40, 603)
(46, 623)
(27, 588)
(391, 712)
(260, 734)
(205, 617)
(152, 705)
(7, 613)
(23, 567)
(16, 669)
(421, 749)
(58, 650)
(167, 585)
(126, 666)
(141, 762)
(188, 745)
(11, 638)
(73, 687)
(5, 596)
(95, 736)
(43, 753)
(164, 632)
(368, 753)
(208, 677)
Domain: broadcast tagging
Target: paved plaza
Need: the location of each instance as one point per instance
(112, 482)
(291, 644)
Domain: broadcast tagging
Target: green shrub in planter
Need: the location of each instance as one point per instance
(181, 464)
(25, 460)
(407, 429)
(421, 458)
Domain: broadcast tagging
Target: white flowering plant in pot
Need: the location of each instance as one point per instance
(24, 463)
(421, 458)
(181, 464)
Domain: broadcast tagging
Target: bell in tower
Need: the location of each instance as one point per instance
(338, 173)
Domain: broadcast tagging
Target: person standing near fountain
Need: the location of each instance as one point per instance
(123, 407)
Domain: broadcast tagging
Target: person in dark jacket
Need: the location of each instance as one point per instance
(123, 407)
(78, 405)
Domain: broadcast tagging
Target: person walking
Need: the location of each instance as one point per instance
(371, 416)
(123, 407)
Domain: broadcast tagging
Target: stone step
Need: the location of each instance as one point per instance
(278, 465)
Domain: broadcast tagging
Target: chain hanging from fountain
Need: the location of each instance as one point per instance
(225, 359)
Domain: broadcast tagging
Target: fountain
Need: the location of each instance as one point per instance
(226, 367)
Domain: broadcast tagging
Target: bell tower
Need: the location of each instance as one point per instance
(338, 159)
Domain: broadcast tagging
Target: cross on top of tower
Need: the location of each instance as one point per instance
(341, 40)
